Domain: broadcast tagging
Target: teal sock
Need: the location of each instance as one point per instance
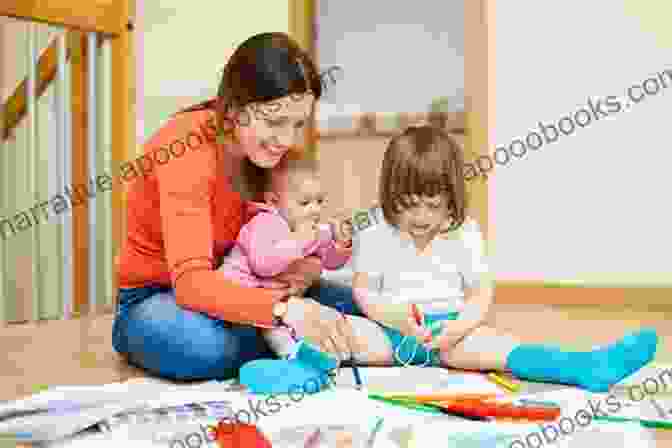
(595, 371)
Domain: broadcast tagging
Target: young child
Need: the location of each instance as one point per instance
(285, 227)
(426, 251)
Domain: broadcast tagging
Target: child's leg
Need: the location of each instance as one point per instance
(371, 346)
(596, 370)
(483, 349)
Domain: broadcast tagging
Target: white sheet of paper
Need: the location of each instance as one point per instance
(418, 380)
(576, 404)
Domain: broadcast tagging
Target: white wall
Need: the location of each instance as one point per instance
(187, 44)
(593, 206)
(396, 56)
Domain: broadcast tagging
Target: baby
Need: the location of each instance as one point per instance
(286, 227)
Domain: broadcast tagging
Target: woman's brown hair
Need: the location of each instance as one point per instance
(265, 67)
(424, 161)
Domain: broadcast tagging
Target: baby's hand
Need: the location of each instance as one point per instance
(306, 231)
(342, 232)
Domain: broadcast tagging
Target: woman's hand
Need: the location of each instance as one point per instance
(321, 326)
(300, 275)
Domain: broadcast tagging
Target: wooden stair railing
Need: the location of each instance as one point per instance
(15, 108)
(102, 16)
(112, 19)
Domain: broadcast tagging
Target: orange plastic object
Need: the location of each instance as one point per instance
(240, 435)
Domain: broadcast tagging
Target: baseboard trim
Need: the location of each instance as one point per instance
(539, 293)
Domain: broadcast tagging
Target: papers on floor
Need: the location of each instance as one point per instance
(578, 427)
(651, 376)
(63, 411)
(466, 434)
(145, 413)
(328, 436)
(502, 435)
(417, 380)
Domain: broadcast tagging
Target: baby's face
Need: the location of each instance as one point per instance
(303, 200)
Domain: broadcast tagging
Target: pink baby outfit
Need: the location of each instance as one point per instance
(265, 248)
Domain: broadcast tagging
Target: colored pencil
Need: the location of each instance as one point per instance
(548, 404)
(355, 372)
(508, 385)
(645, 423)
(355, 369)
(407, 404)
(503, 410)
(430, 398)
(417, 315)
(467, 416)
(433, 408)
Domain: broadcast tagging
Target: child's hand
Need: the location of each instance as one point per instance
(421, 333)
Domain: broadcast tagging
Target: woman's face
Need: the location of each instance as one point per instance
(268, 130)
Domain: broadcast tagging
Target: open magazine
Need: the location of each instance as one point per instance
(146, 407)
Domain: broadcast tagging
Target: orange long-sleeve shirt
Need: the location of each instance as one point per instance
(181, 215)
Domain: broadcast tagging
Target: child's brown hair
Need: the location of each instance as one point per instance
(423, 160)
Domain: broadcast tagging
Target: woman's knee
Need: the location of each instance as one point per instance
(173, 342)
(335, 295)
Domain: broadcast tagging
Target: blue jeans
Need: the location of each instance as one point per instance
(168, 341)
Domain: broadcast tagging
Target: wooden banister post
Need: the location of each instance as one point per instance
(479, 84)
(80, 182)
(301, 17)
(123, 120)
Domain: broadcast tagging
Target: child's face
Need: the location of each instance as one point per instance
(303, 200)
(421, 216)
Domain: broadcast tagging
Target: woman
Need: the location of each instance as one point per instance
(176, 317)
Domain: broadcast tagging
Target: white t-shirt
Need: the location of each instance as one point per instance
(436, 279)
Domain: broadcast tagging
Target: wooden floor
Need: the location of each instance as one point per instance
(80, 351)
